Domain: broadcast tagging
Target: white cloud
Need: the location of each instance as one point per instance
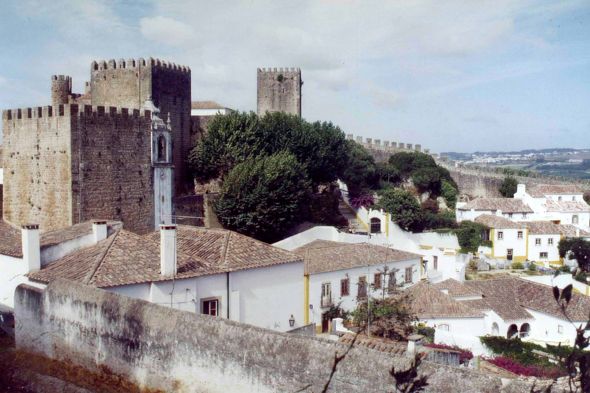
(167, 31)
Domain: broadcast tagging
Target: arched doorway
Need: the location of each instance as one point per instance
(162, 148)
(375, 225)
(525, 330)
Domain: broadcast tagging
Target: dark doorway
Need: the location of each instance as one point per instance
(325, 323)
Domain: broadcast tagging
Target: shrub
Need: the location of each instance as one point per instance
(404, 208)
(509, 187)
(472, 265)
(469, 235)
(426, 331)
(449, 192)
(430, 205)
(532, 267)
(581, 276)
(487, 243)
(565, 269)
(517, 266)
(529, 371)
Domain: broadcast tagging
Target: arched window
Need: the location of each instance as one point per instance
(525, 330)
(444, 326)
(575, 219)
(495, 329)
(162, 148)
(512, 331)
(375, 225)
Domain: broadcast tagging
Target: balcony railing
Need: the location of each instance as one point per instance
(327, 301)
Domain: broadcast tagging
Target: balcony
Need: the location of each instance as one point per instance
(327, 301)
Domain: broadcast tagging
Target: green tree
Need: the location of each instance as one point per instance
(469, 235)
(449, 192)
(360, 174)
(234, 138)
(264, 197)
(427, 179)
(509, 187)
(403, 207)
(387, 172)
(576, 248)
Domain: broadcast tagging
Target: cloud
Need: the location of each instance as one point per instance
(167, 31)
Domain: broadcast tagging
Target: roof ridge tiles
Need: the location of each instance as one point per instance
(101, 258)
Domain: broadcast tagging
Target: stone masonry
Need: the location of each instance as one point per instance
(279, 90)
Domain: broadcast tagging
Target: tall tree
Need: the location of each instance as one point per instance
(509, 187)
(578, 249)
(404, 208)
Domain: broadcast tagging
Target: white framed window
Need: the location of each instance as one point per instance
(519, 234)
(509, 215)
(327, 294)
(575, 219)
(543, 255)
(211, 306)
(537, 241)
(550, 241)
(559, 329)
(444, 326)
(523, 215)
(500, 235)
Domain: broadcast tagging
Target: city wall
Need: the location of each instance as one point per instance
(474, 180)
(156, 347)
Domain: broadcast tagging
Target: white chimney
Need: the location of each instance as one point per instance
(577, 232)
(99, 229)
(520, 190)
(31, 247)
(168, 250)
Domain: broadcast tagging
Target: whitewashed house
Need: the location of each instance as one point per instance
(562, 204)
(509, 238)
(209, 271)
(512, 209)
(24, 250)
(515, 307)
(543, 241)
(342, 274)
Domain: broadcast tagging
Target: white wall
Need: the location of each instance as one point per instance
(349, 303)
(545, 329)
(12, 274)
(264, 296)
(53, 253)
(461, 340)
(163, 180)
(534, 250)
(210, 112)
(510, 241)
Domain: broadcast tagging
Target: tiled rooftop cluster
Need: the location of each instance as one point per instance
(506, 205)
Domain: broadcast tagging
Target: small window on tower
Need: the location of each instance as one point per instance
(162, 148)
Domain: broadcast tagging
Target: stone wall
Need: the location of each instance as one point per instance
(161, 348)
(199, 126)
(36, 161)
(190, 210)
(276, 95)
(129, 84)
(112, 176)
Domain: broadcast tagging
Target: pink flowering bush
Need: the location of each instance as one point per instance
(363, 201)
(528, 371)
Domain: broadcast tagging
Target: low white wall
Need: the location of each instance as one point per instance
(12, 274)
(461, 340)
(53, 253)
(305, 237)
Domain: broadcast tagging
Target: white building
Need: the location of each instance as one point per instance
(509, 238)
(514, 307)
(208, 108)
(561, 204)
(512, 209)
(24, 250)
(342, 274)
(209, 271)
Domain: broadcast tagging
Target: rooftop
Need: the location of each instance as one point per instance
(498, 222)
(11, 236)
(206, 105)
(546, 189)
(566, 206)
(427, 302)
(126, 258)
(550, 228)
(507, 205)
(326, 256)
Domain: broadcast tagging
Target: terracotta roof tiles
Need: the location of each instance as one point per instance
(427, 302)
(507, 205)
(498, 222)
(545, 189)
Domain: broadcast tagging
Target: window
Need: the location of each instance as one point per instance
(575, 219)
(523, 215)
(543, 255)
(520, 234)
(525, 330)
(509, 254)
(362, 287)
(537, 241)
(210, 306)
(161, 148)
(573, 198)
(345, 287)
(392, 284)
(559, 329)
(377, 282)
(409, 275)
(560, 199)
(509, 215)
(550, 241)
(435, 262)
(327, 295)
(444, 326)
(375, 225)
(500, 235)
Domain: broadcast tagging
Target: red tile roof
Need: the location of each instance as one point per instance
(326, 256)
(126, 258)
(427, 302)
(566, 206)
(498, 222)
(545, 189)
(507, 205)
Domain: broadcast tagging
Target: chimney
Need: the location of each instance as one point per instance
(168, 250)
(31, 247)
(520, 190)
(577, 232)
(99, 229)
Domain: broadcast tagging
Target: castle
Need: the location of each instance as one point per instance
(117, 151)
(104, 154)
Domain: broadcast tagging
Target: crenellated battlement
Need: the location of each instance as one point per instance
(387, 147)
(103, 65)
(70, 110)
(277, 71)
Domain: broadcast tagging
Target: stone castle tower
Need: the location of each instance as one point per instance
(279, 90)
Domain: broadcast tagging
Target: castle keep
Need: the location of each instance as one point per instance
(279, 91)
(105, 154)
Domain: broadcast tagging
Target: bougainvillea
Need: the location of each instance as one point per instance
(528, 371)
(363, 201)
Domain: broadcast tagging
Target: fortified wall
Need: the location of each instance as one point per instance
(66, 164)
(102, 334)
(474, 180)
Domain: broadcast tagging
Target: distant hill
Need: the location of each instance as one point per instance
(497, 153)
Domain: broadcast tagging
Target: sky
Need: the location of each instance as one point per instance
(450, 75)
